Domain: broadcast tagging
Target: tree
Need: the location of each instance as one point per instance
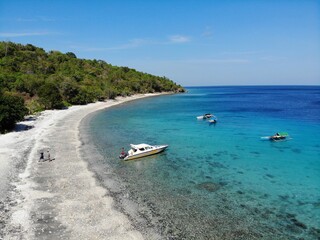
(26, 70)
(70, 91)
(12, 110)
(50, 97)
(71, 55)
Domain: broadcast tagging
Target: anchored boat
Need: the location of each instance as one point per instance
(141, 150)
(213, 121)
(205, 116)
(277, 136)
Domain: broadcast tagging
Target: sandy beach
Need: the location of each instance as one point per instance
(57, 199)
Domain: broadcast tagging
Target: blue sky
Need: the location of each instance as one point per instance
(192, 42)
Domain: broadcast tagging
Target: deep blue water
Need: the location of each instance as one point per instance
(217, 181)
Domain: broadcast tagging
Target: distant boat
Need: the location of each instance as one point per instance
(142, 150)
(212, 121)
(277, 137)
(205, 116)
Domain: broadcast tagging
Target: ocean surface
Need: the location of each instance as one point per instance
(218, 181)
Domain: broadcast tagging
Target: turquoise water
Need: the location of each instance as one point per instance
(216, 181)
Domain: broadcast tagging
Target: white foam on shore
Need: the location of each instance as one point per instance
(82, 206)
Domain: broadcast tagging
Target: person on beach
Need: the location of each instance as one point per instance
(41, 157)
(49, 155)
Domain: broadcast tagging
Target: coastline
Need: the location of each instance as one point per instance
(57, 199)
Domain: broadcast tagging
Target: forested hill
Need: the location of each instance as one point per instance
(47, 80)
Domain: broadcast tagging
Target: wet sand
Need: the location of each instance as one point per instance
(57, 199)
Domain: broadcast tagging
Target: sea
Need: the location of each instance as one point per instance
(215, 181)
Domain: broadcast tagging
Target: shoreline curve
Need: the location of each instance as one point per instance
(58, 199)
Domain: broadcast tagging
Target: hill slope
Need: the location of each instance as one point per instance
(47, 80)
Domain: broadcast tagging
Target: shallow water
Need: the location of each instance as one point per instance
(217, 180)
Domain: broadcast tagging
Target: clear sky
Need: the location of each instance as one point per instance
(192, 42)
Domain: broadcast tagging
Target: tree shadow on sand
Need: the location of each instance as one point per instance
(20, 127)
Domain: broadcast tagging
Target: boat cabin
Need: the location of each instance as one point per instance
(141, 147)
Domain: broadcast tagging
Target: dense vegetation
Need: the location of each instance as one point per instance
(38, 80)
(12, 109)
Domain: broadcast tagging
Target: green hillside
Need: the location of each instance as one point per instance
(48, 80)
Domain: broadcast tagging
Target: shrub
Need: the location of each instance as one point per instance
(50, 97)
(12, 110)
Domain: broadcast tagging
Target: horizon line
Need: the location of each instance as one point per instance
(255, 85)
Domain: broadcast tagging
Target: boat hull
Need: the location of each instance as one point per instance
(145, 154)
(205, 116)
(212, 121)
(277, 138)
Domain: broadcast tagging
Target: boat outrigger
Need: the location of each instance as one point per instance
(141, 150)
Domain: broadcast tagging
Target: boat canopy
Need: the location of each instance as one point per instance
(283, 134)
(142, 145)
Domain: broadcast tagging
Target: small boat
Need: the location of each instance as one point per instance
(205, 116)
(277, 137)
(212, 121)
(142, 150)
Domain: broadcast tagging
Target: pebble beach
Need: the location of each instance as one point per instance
(57, 199)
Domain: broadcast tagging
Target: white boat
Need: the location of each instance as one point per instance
(205, 116)
(211, 121)
(142, 150)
